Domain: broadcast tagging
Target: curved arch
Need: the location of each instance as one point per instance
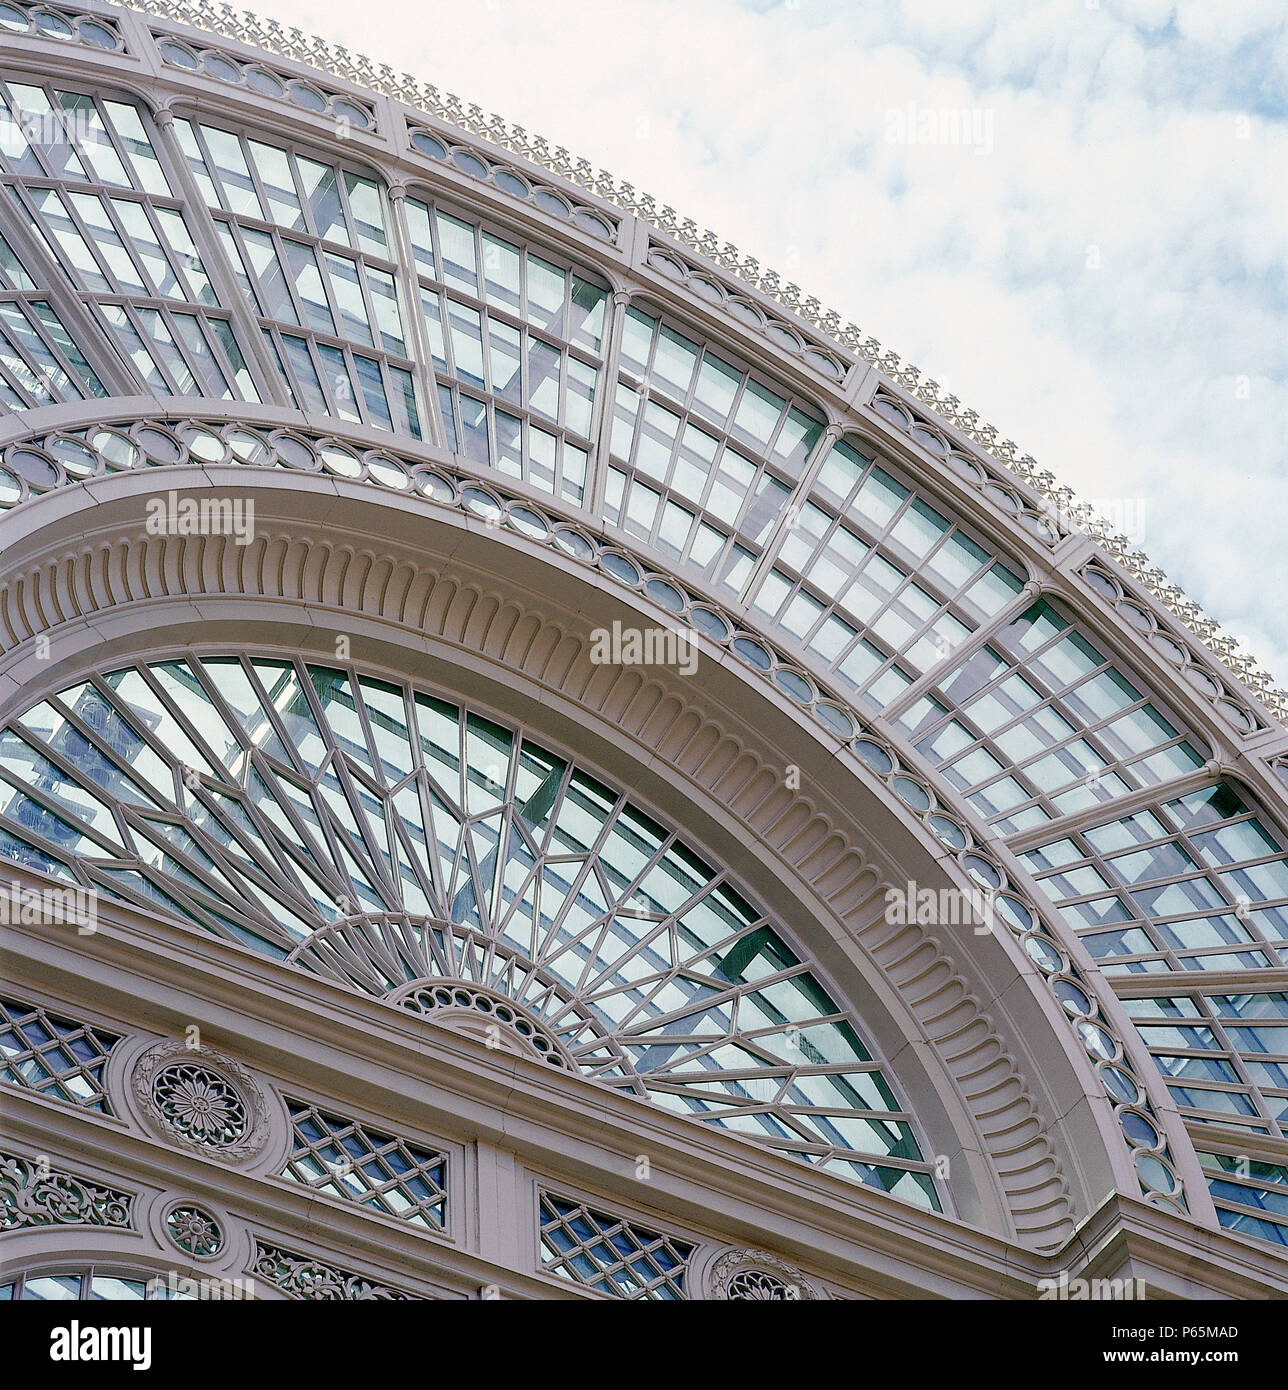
(1124, 1092)
(969, 1050)
(546, 389)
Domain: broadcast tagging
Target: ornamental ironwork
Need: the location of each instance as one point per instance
(60, 1058)
(305, 1277)
(194, 1231)
(200, 1104)
(356, 1162)
(32, 1194)
(611, 1254)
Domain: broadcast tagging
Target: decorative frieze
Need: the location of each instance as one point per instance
(517, 183)
(348, 113)
(33, 1194)
(304, 1277)
(64, 23)
(1194, 668)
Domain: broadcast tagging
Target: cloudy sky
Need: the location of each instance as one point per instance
(1073, 213)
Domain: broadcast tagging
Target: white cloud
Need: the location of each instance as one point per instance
(1161, 375)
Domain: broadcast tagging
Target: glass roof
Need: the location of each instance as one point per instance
(205, 258)
(1040, 723)
(88, 179)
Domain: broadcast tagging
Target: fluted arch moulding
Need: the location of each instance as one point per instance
(111, 591)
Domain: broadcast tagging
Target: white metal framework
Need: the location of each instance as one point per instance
(339, 424)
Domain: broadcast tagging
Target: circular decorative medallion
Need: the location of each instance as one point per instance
(198, 1099)
(200, 1104)
(194, 1231)
(748, 1276)
(750, 1285)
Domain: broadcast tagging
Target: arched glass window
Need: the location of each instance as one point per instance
(517, 341)
(1041, 723)
(1192, 882)
(704, 455)
(876, 582)
(401, 845)
(86, 1283)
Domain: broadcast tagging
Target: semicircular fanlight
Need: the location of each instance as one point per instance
(383, 837)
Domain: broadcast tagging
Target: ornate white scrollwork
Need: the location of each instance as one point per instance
(33, 1194)
(300, 1276)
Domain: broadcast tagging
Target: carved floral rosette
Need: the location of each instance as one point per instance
(197, 1099)
(752, 1276)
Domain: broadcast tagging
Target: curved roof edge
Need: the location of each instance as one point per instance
(270, 36)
